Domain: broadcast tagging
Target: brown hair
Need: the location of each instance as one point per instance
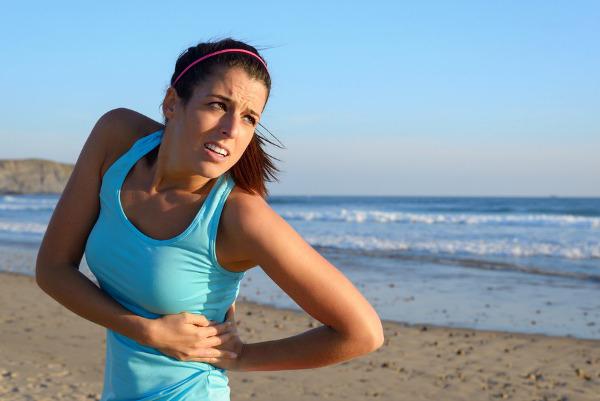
(255, 167)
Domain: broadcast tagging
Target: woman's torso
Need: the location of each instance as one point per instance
(175, 271)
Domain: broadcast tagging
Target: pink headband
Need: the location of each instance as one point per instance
(214, 54)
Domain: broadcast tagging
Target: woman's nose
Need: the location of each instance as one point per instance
(230, 125)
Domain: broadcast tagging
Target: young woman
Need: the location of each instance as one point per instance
(170, 217)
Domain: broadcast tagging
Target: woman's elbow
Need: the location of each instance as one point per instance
(371, 332)
(377, 337)
(370, 339)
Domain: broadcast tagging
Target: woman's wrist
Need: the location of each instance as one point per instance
(143, 329)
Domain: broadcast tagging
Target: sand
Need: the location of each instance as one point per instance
(49, 353)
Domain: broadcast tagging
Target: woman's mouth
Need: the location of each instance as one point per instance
(214, 152)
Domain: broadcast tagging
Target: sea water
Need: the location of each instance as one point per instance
(496, 263)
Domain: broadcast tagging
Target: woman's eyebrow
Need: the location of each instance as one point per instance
(229, 100)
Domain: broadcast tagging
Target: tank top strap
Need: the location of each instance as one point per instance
(113, 176)
(207, 232)
(215, 206)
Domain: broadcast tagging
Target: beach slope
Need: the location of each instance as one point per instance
(49, 353)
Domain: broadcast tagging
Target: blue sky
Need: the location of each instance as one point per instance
(381, 97)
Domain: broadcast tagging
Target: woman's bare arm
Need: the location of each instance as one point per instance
(351, 327)
(63, 246)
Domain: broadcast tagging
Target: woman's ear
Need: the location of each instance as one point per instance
(170, 103)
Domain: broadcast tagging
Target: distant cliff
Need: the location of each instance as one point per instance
(25, 176)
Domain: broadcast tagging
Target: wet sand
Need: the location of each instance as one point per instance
(49, 353)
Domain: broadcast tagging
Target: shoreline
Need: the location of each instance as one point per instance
(419, 292)
(50, 353)
(243, 299)
(552, 314)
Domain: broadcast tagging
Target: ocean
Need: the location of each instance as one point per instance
(529, 265)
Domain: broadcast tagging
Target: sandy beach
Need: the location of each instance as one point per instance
(49, 353)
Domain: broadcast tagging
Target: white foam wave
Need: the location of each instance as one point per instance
(14, 203)
(473, 247)
(376, 216)
(23, 227)
(26, 207)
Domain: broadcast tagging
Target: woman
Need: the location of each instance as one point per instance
(170, 217)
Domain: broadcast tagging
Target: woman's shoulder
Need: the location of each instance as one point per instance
(240, 213)
(241, 203)
(124, 127)
(247, 214)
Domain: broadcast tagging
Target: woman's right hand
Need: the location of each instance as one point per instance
(186, 336)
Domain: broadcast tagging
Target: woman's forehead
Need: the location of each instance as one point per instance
(233, 83)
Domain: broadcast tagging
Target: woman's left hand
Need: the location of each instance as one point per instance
(234, 344)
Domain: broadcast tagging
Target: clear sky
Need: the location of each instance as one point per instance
(379, 97)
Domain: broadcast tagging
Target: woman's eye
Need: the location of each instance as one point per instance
(218, 105)
(221, 105)
(252, 120)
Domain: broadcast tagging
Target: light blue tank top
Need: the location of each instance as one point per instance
(153, 277)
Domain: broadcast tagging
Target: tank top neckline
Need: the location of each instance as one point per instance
(137, 152)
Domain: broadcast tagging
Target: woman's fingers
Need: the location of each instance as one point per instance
(202, 354)
(191, 337)
(193, 318)
(224, 354)
(210, 353)
(219, 340)
(205, 360)
(209, 359)
(215, 330)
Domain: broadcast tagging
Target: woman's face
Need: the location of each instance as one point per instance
(224, 110)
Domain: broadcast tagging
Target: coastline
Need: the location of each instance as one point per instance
(436, 296)
(49, 353)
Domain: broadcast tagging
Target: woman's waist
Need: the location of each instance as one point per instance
(128, 354)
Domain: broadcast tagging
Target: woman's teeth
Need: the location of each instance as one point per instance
(216, 149)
